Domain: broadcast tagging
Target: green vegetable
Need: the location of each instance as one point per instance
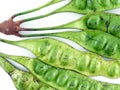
(61, 79)
(59, 54)
(23, 80)
(79, 6)
(101, 21)
(105, 22)
(95, 41)
(76, 6)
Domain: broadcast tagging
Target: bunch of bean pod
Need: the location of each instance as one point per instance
(61, 79)
(59, 66)
(60, 55)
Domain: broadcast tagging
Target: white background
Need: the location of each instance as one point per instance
(10, 7)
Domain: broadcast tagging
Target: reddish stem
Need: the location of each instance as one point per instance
(10, 27)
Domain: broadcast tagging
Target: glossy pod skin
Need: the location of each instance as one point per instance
(101, 21)
(59, 54)
(95, 5)
(80, 6)
(61, 79)
(105, 22)
(95, 41)
(23, 80)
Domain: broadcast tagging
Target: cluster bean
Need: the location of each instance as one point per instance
(59, 54)
(57, 61)
(61, 79)
(23, 80)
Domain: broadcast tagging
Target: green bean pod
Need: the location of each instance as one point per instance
(56, 53)
(76, 6)
(23, 80)
(61, 79)
(101, 21)
(105, 22)
(86, 6)
(98, 42)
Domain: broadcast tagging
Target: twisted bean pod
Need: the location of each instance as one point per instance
(59, 54)
(23, 80)
(61, 79)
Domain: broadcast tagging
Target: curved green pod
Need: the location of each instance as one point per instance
(105, 22)
(61, 79)
(56, 53)
(23, 80)
(76, 6)
(95, 41)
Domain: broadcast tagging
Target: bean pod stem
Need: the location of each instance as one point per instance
(11, 27)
